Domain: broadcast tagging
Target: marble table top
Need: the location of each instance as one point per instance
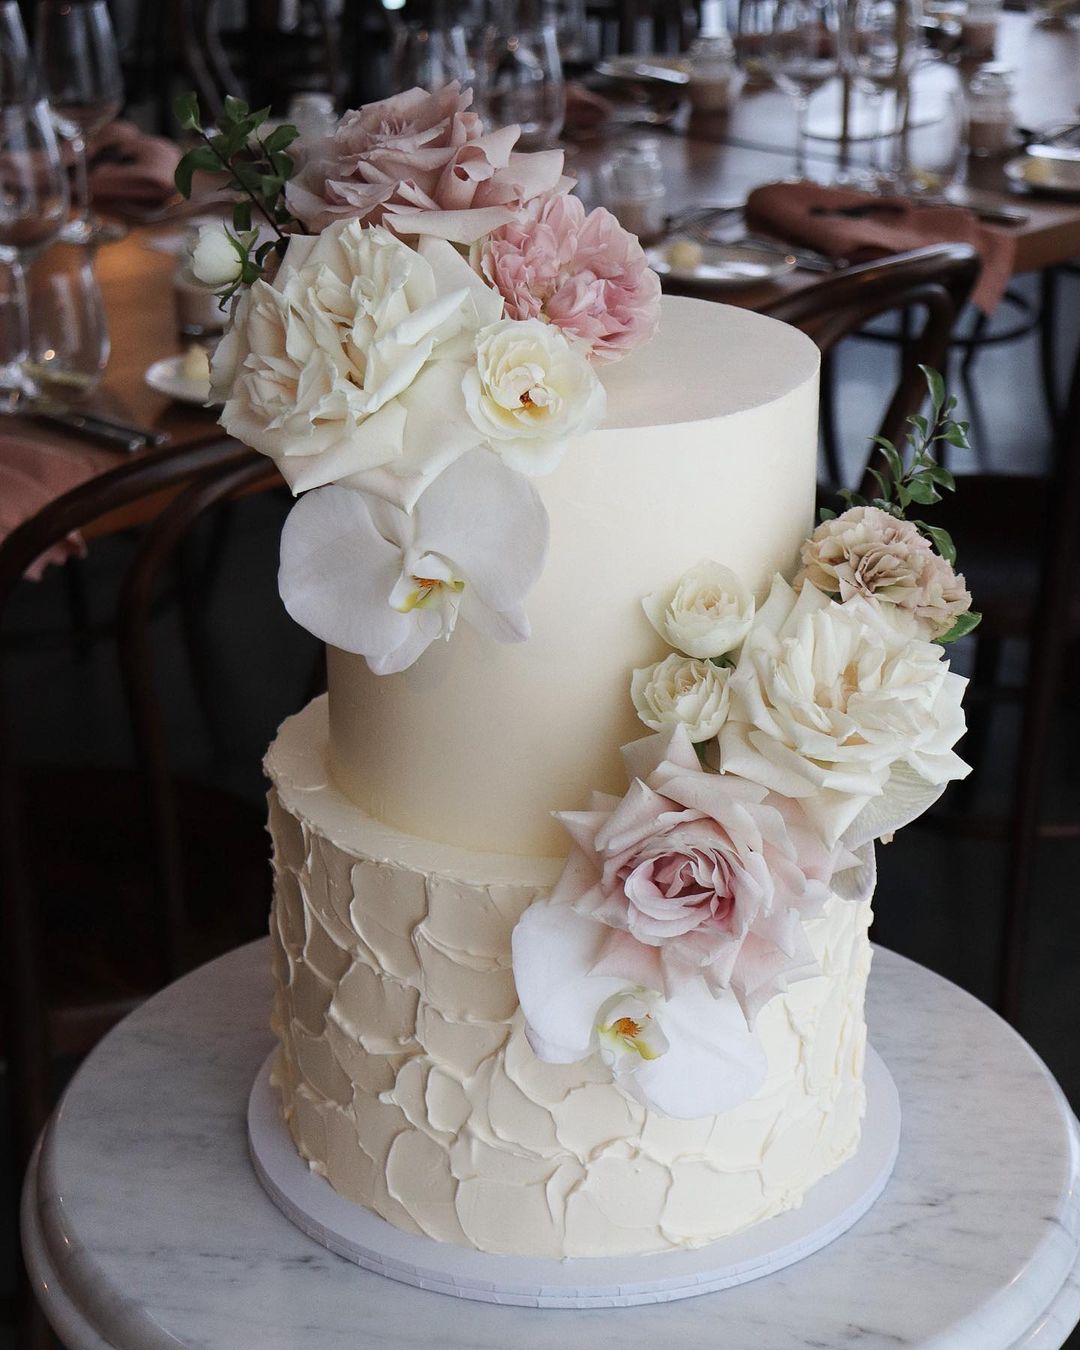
(144, 1225)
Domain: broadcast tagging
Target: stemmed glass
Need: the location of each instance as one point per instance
(77, 56)
(429, 53)
(881, 46)
(33, 195)
(522, 74)
(801, 53)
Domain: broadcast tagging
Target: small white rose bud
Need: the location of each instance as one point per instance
(215, 259)
(683, 690)
(706, 613)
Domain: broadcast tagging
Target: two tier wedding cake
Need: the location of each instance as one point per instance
(573, 864)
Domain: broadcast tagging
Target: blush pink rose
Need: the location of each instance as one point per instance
(698, 873)
(420, 163)
(584, 273)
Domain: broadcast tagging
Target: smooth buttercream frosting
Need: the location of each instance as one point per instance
(709, 450)
(408, 1083)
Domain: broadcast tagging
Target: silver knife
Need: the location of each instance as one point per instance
(96, 426)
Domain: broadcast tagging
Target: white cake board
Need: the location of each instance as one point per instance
(831, 1207)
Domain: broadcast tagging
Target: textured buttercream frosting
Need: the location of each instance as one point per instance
(408, 1083)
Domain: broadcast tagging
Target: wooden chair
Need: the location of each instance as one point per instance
(1019, 547)
(934, 281)
(1018, 539)
(34, 1027)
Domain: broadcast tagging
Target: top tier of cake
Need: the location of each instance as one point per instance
(708, 450)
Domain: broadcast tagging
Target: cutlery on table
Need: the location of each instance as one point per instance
(94, 426)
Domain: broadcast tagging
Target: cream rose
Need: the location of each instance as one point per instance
(682, 690)
(349, 366)
(706, 613)
(833, 706)
(529, 391)
(215, 259)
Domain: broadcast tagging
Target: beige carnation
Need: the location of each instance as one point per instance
(867, 552)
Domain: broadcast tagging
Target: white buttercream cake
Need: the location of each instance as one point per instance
(412, 826)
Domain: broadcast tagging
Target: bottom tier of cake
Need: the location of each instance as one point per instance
(407, 1081)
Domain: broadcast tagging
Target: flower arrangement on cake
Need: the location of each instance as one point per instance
(415, 335)
(413, 338)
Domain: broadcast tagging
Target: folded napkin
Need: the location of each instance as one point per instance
(130, 169)
(33, 474)
(844, 223)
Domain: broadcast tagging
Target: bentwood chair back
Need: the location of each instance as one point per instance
(28, 1019)
(1019, 544)
(934, 281)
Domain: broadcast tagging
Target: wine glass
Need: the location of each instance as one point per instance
(881, 45)
(801, 53)
(429, 55)
(33, 195)
(522, 74)
(69, 336)
(33, 206)
(76, 52)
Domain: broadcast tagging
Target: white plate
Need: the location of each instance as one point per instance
(1046, 174)
(831, 1207)
(168, 378)
(722, 265)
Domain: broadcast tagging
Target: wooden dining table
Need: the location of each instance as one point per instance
(711, 161)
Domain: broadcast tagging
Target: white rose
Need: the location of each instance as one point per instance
(834, 706)
(529, 391)
(682, 690)
(706, 613)
(348, 367)
(215, 259)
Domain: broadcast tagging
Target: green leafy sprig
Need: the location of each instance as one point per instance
(922, 481)
(257, 166)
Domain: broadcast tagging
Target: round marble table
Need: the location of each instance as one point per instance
(144, 1225)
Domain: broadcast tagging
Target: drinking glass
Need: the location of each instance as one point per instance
(69, 337)
(801, 54)
(33, 195)
(430, 54)
(935, 147)
(752, 35)
(522, 76)
(881, 44)
(76, 52)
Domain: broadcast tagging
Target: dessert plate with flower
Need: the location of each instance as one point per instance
(717, 265)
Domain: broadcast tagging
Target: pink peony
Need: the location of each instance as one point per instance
(584, 273)
(697, 873)
(420, 163)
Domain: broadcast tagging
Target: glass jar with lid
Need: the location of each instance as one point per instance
(990, 110)
(633, 187)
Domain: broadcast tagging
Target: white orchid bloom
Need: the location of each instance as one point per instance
(365, 576)
(688, 1055)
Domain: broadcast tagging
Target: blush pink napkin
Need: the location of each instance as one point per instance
(32, 475)
(807, 214)
(130, 169)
